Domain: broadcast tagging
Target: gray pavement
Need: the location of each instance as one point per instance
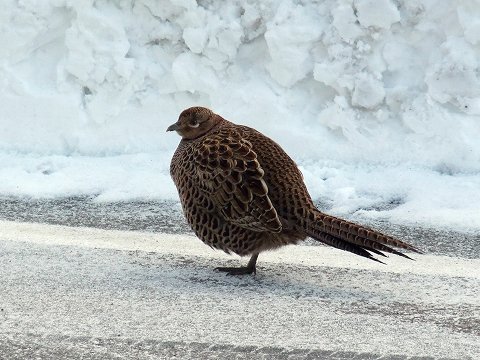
(166, 217)
(75, 293)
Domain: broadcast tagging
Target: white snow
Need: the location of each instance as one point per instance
(377, 13)
(377, 101)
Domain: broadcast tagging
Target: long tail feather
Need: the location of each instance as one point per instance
(344, 245)
(339, 227)
(354, 238)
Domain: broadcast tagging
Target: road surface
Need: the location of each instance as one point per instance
(83, 292)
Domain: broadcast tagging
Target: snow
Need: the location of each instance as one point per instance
(377, 101)
(377, 13)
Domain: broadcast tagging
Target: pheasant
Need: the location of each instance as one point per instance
(241, 193)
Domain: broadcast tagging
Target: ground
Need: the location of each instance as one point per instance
(136, 284)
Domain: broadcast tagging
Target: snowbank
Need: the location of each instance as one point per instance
(378, 101)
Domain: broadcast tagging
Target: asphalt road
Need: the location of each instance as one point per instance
(166, 217)
(91, 293)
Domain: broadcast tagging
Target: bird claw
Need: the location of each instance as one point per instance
(244, 270)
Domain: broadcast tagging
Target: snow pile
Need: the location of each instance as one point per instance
(377, 100)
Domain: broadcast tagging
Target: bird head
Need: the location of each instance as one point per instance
(194, 122)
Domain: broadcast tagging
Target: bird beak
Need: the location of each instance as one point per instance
(173, 127)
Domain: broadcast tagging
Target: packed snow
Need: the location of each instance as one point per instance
(377, 101)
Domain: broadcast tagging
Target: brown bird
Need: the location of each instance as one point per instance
(242, 193)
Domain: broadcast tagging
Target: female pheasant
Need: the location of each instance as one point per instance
(242, 193)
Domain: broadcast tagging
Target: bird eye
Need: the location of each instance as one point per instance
(194, 123)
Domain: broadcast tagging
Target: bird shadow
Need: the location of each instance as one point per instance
(296, 281)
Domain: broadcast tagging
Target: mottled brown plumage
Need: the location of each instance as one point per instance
(242, 193)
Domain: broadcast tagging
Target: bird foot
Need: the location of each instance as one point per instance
(244, 270)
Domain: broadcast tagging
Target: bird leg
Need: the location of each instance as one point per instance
(244, 270)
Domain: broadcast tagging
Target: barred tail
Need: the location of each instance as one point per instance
(354, 238)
